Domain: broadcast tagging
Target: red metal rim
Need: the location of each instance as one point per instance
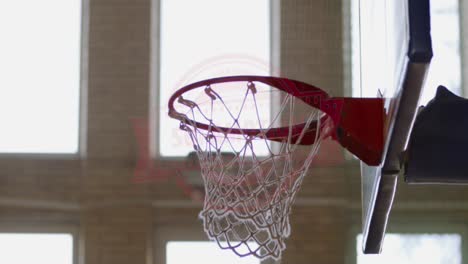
(356, 123)
(311, 95)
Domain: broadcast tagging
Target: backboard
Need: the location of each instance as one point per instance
(395, 52)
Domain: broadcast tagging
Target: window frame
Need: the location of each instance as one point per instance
(463, 22)
(82, 100)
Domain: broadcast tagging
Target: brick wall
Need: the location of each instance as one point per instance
(118, 220)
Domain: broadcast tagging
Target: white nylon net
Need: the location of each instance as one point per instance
(249, 192)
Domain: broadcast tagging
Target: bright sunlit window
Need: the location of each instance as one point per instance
(206, 39)
(39, 75)
(203, 252)
(36, 248)
(415, 248)
(446, 63)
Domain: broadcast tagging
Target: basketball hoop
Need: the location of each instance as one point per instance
(249, 193)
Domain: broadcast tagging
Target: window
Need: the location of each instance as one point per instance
(445, 66)
(355, 50)
(206, 39)
(39, 76)
(36, 248)
(415, 248)
(181, 252)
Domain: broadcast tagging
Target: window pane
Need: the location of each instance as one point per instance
(36, 248)
(415, 248)
(446, 65)
(203, 252)
(355, 50)
(206, 39)
(39, 75)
